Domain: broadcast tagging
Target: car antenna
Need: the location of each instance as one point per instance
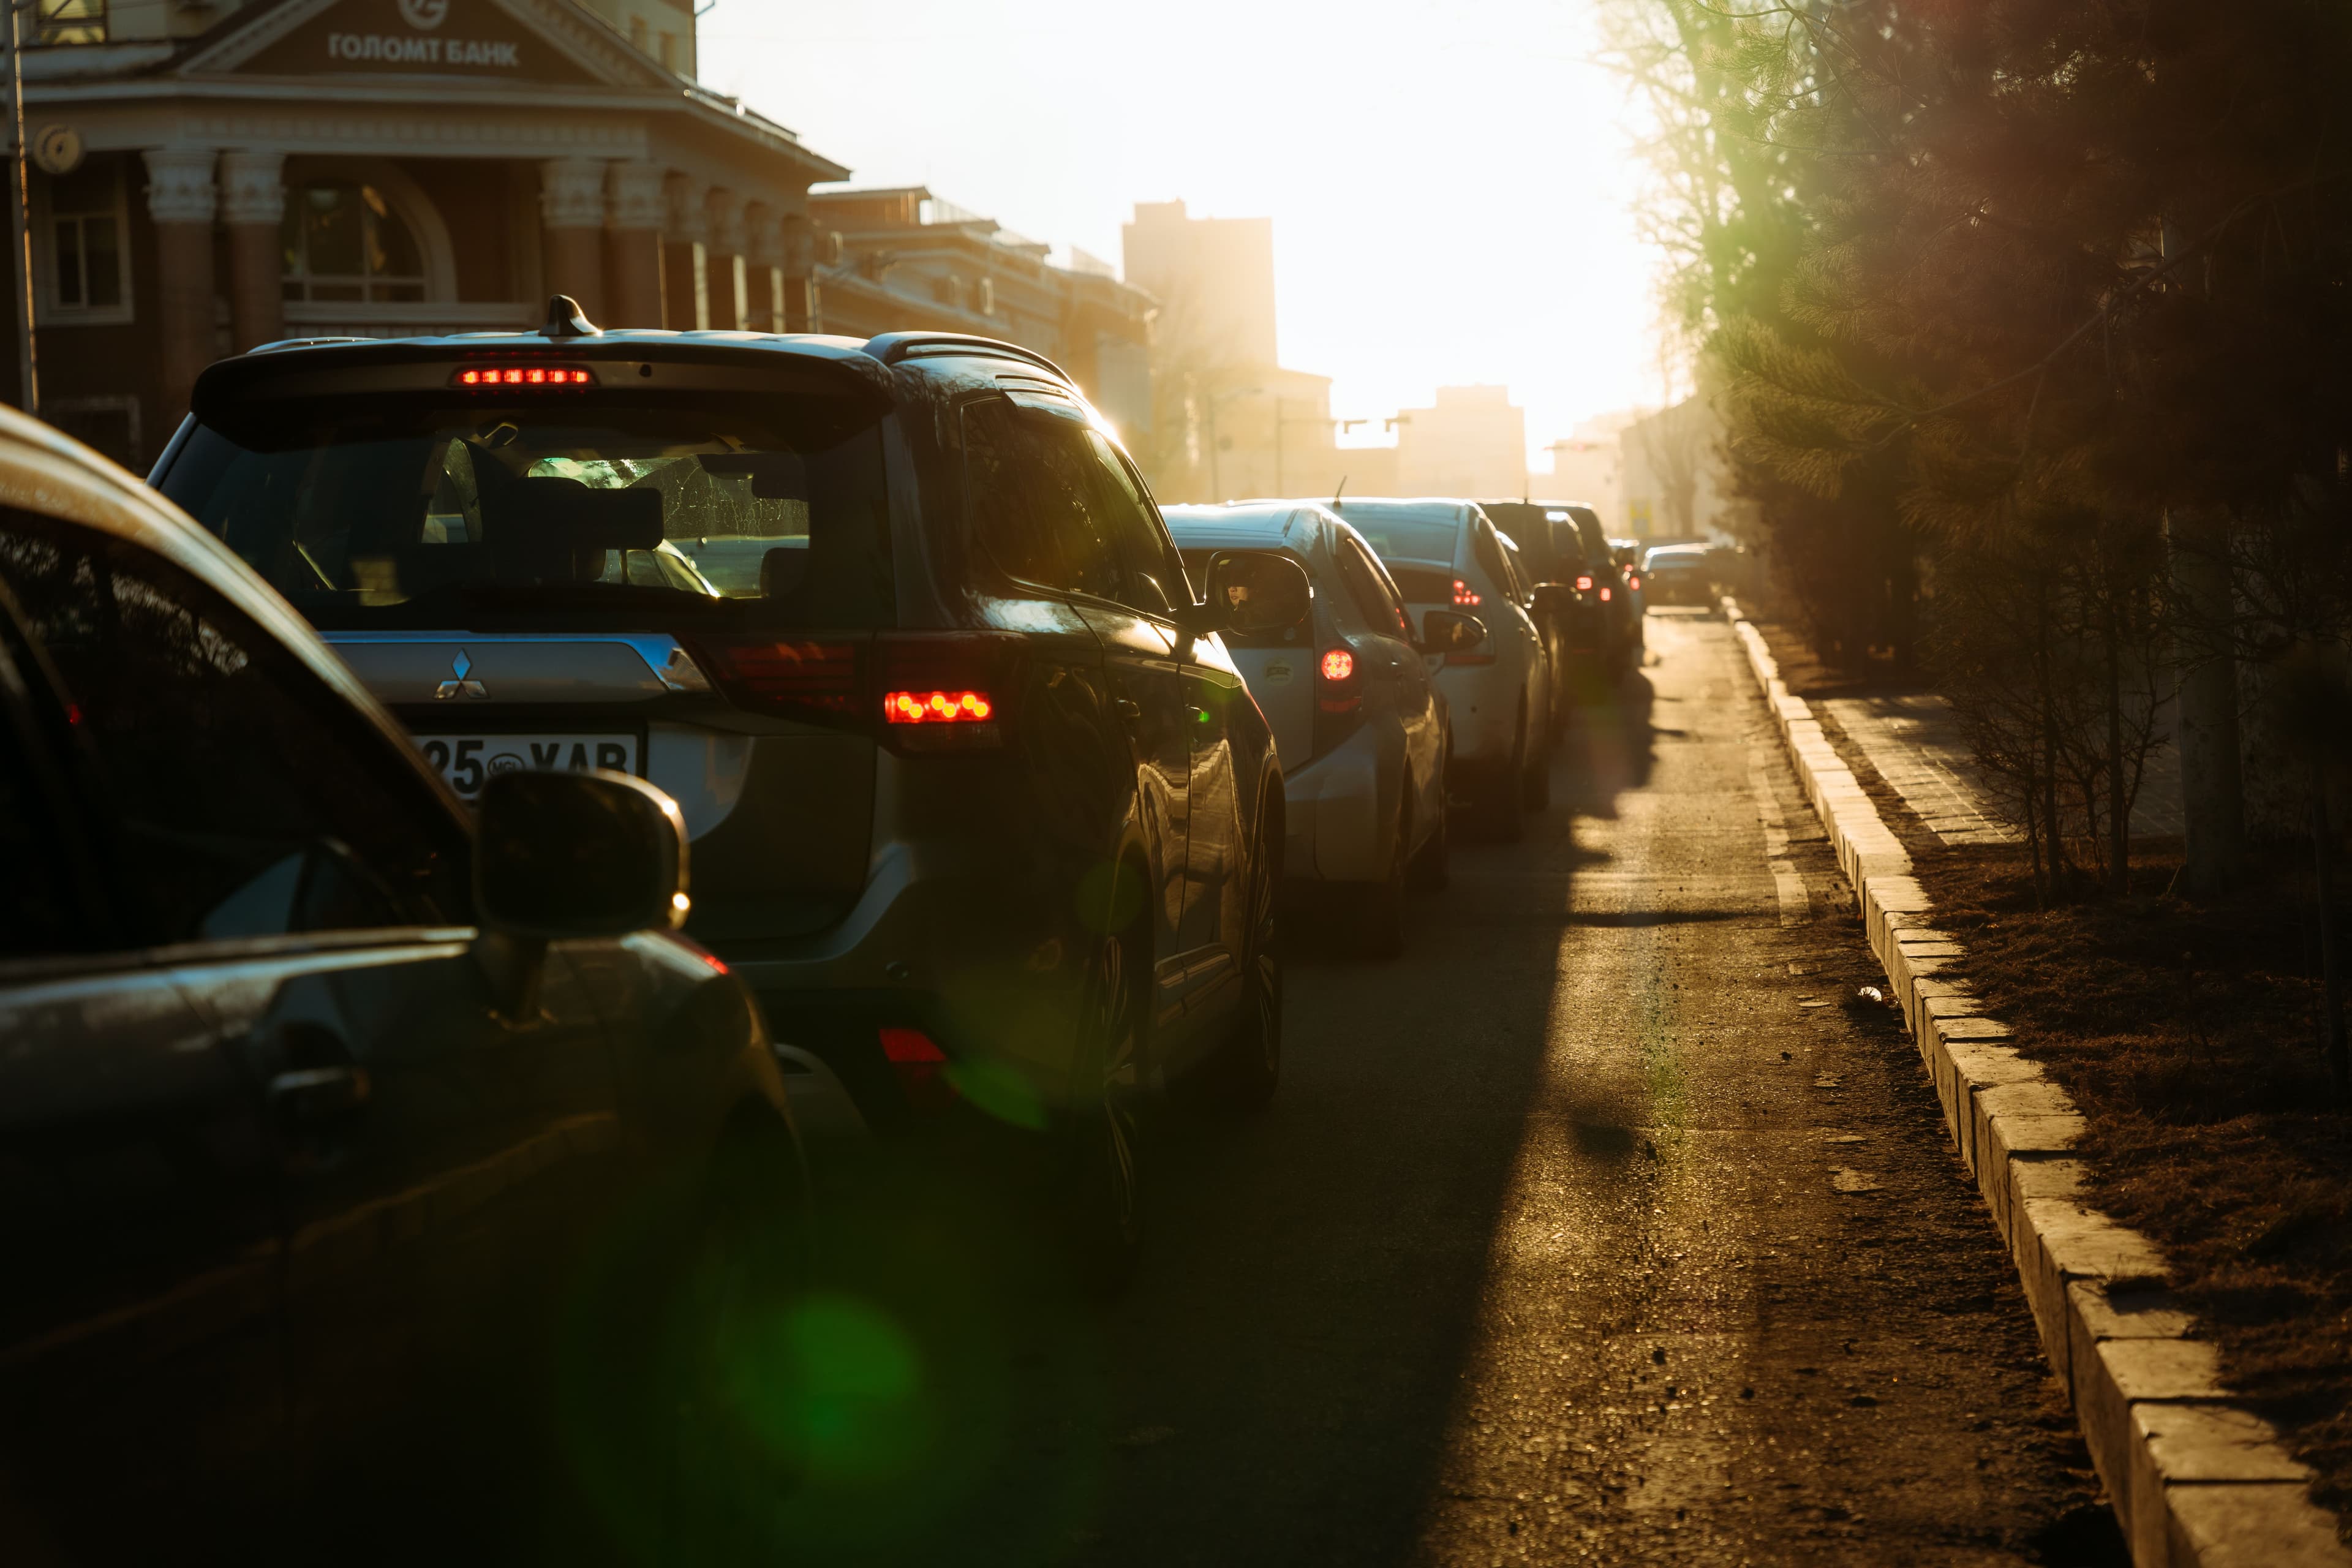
(1337, 490)
(565, 319)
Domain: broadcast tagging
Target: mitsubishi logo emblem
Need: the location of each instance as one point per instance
(460, 686)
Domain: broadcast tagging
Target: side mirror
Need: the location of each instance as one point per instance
(561, 854)
(1449, 631)
(1254, 592)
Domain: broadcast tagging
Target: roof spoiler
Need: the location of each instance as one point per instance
(891, 348)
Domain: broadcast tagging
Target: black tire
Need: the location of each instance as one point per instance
(1248, 1068)
(1380, 911)
(1433, 863)
(1506, 792)
(1535, 784)
(1105, 1122)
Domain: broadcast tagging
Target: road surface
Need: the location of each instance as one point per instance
(1606, 1225)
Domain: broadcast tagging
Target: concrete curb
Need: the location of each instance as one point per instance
(2196, 1477)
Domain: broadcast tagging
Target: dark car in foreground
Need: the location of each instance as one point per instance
(379, 1176)
(980, 807)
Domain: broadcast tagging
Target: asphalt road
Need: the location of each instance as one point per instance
(1541, 1256)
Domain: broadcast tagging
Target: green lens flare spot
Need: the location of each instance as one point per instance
(834, 1381)
(1000, 1091)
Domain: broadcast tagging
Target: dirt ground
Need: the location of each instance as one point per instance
(2188, 1031)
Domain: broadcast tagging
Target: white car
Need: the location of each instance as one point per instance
(1359, 723)
(1445, 554)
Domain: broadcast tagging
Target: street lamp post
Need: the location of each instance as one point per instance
(19, 206)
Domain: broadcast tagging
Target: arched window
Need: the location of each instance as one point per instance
(345, 241)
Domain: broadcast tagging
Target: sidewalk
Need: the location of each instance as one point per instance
(1915, 742)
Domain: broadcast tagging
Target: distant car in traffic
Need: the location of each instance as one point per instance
(1679, 575)
(1444, 555)
(1627, 553)
(369, 1159)
(1572, 608)
(1359, 722)
(985, 814)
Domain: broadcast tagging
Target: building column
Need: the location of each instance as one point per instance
(686, 299)
(572, 225)
(252, 208)
(633, 244)
(724, 265)
(763, 235)
(799, 301)
(182, 201)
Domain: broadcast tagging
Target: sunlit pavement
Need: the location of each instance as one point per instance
(1536, 1257)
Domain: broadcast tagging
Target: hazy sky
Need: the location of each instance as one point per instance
(1448, 183)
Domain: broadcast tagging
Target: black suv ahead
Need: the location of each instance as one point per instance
(980, 807)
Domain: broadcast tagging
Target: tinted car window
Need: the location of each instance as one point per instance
(248, 799)
(1404, 531)
(423, 509)
(1488, 553)
(1382, 610)
(1155, 582)
(1038, 502)
(37, 914)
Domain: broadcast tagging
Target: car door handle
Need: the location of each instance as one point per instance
(1125, 708)
(310, 1094)
(1198, 715)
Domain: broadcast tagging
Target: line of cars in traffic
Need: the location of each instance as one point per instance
(846, 746)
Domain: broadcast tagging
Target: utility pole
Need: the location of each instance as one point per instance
(20, 196)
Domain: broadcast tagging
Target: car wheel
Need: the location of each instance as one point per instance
(1431, 866)
(1247, 1070)
(1380, 915)
(1535, 784)
(1506, 792)
(1107, 1091)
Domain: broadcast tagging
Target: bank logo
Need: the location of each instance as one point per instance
(425, 15)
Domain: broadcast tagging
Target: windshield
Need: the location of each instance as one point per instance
(428, 511)
(1407, 533)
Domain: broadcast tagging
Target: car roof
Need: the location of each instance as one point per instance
(48, 473)
(950, 356)
(1244, 525)
(1427, 508)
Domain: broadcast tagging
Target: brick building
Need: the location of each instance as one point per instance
(304, 168)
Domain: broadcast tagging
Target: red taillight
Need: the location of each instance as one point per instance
(1338, 693)
(1584, 584)
(945, 690)
(800, 678)
(1604, 595)
(489, 375)
(1463, 594)
(1633, 584)
(910, 1046)
(1339, 664)
(937, 707)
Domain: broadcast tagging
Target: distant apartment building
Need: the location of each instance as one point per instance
(899, 258)
(1471, 441)
(1214, 277)
(221, 175)
(1232, 423)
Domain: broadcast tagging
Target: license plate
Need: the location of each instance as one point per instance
(468, 760)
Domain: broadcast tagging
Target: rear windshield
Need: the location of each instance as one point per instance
(1402, 535)
(635, 508)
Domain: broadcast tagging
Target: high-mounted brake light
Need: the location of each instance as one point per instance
(1463, 594)
(1584, 584)
(937, 707)
(1339, 664)
(526, 375)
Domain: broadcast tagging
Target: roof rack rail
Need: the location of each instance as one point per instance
(892, 347)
